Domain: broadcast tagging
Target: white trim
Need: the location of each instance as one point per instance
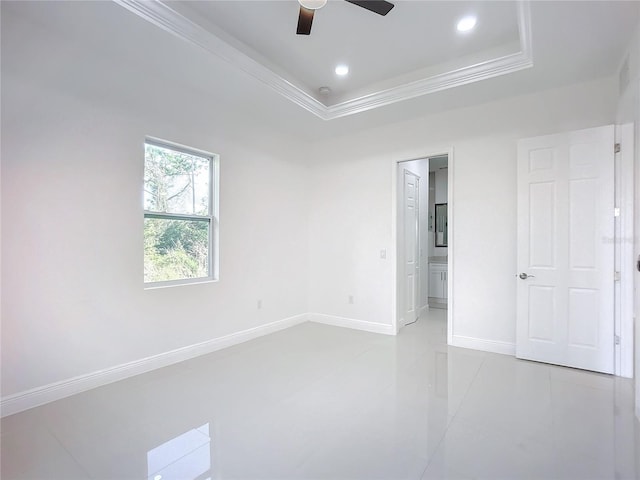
(55, 391)
(173, 22)
(352, 323)
(213, 203)
(35, 397)
(435, 83)
(395, 237)
(164, 17)
(624, 250)
(450, 244)
(505, 348)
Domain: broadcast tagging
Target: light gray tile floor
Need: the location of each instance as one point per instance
(322, 402)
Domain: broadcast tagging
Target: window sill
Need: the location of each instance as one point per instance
(178, 283)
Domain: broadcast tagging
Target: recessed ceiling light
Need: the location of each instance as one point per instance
(466, 24)
(342, 70)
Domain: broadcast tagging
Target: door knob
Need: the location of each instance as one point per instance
(524, 276)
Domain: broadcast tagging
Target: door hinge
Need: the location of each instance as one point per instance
(616, 276)
(617, 339)
(616, 212)
(616, 148)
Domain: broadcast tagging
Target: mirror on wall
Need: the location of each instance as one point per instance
(441, 225)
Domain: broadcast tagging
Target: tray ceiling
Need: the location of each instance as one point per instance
(413, 51)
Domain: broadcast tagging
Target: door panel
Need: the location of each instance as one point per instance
(582, 302)
(542, 313)
(583, 225)
(542, 232)
(411, 191)
(565, 246)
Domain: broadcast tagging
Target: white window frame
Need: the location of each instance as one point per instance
(212, 217)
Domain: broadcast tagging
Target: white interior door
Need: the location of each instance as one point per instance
(566, 249)
(410, 208)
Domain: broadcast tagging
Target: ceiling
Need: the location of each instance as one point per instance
(415, 40)
(414, 50)
(244, 60)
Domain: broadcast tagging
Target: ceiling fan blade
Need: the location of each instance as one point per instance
(305, 19)
(376, 6)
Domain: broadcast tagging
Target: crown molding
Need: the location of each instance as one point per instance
(435, 83)
(164, 17)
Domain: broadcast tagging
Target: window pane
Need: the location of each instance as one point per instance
(175, 182)
(175, 249)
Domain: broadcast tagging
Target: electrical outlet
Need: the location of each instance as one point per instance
(350, 298)
(259, 304)
(383, 254)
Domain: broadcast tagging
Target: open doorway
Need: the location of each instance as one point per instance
(423, 239)
(438, 244)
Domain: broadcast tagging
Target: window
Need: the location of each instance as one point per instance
(180, 214)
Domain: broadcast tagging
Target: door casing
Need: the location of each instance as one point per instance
(396, 237)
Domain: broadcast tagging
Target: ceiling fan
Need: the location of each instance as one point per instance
(308, 8)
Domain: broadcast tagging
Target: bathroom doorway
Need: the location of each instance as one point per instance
(438, 232)
(423, 239)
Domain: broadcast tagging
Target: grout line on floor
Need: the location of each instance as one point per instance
(71, 455)
(446, 430)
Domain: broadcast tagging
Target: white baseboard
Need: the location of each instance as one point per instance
(55, 391)
(493, 346)
(35, 397)
(352, 323)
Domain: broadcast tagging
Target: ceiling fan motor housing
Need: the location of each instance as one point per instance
(308, 8)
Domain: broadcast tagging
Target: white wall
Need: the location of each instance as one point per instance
(73, 298)
(72, 170)
(352, 202)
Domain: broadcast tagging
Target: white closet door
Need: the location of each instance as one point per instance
(566, 249)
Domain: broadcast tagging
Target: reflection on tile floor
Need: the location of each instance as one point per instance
(322, 402)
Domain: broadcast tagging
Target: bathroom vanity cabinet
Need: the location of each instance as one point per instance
(438, 282)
